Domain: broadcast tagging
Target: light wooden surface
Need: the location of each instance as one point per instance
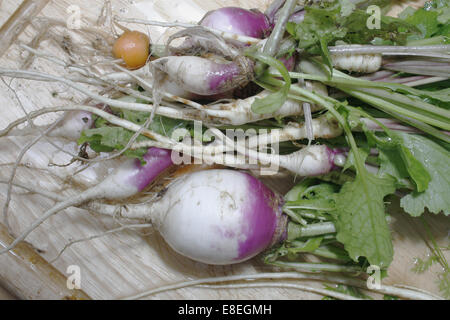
(126, 263)
(5, 295)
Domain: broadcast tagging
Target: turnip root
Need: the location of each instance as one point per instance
(363, 63)
(216, 216)
(311, 161)
(54, 156)
(70, 127)
(240, 21)
(127, 180)
(240, 112)
(323, 127)
(369, 58)
(204, 76)
(219, 216)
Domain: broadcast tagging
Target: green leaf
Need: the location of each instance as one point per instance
(390, 147)
(391, 164)
(416, 169)
(269, 104)
(420, 265)
(405, 166)
(108, 139)
(425, 21)
(311, 245)
(432, 20)
(330, 21)
(435, 159)
(309, 189)
(311, 197)
(351, 161)
(274, 101)
(442, 7)
(361, 219)
(290, 28)
(291, 249)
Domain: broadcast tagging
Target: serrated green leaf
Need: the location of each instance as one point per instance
(391, 164)
(361, 219)
(425, 21)
(436, 160)
(397, 160)
(108, 139)
(330, 21)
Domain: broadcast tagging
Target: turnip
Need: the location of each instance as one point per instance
(217, 30)
(219, 216)
(240, 21)
(130, 178)
(69, 127)
(53, 156)
(169, 211)
(204, 76)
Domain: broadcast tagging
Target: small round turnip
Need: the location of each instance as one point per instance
(219, 216)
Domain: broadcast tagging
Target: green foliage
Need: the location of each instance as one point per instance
(326, 22)
(435, 159)
(433, 20)
(107, 138)
(361, 219)
(274, 101)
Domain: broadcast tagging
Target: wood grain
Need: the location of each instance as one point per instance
(18, 21)
(5, 295)
(24, 272)
(126, 263)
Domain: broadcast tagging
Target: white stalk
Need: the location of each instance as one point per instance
(390, 290)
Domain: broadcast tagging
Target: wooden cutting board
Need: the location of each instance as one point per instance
(129, 262)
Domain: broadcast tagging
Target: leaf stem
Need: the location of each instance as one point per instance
(272, 44)
(316, 267)
(296, 231)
